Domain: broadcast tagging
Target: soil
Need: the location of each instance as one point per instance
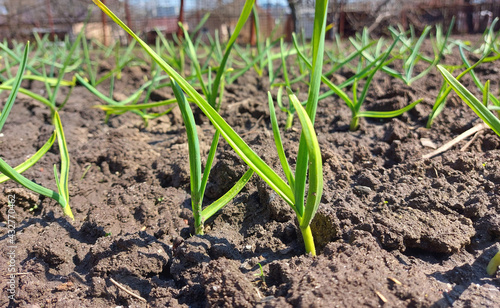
(392, 230)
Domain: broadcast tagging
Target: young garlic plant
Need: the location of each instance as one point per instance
(62, 196)
(309, 155)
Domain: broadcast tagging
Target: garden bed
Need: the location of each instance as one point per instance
(393, 229)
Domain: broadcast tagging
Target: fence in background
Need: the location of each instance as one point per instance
(19, 19)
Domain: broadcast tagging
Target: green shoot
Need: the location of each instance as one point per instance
(17, 59)
(309, 152)
(478, 83)
(130, 103)
(7, 171)
(493, 265)
(290, 110)
(355, 103)
(198, 184)
(475, 104)
(91, 66)
(261, 274)
(415, 54)
(256, 23)
(446, 89)
(213, 91)
(250, 61)
(489, 39)
(33, 159)
(171, 55)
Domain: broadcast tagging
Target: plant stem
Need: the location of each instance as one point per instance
(289, 121)
(354, 123)
(308, 240)
(198, 222)
(194, 156)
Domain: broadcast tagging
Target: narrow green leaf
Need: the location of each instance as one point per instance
(65, 163)
(208, 164)
(315, 190)
(67, 62)
(250, 64)
(201, 23)
(445, 90)
(355, 92)
(108, 100)
(493, 265)
(482, 111)
(233, 139)
(17, 83)
(335, 89)
(279, 144)
(411, 61)
(473, 74)
(380, 65)
(213, 208)
(90, 69)
(50, 81)
(388, 114)
(486, 93)
(349, 58)
(13, 55)
(370, 58)
(33, 159)
(119, 108)
(14, 175)
(318, 45)
(194, 152)
(256, 21)
(283, 64)
(194, 60)
(269, 63)
(245, 13)
(439, 104)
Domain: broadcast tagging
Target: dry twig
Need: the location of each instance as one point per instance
(467, 145)
(121, 287)
(253, 129)
(456, 140)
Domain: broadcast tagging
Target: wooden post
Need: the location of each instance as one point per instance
(253, 39)
(404, 21)
(51, 20)
(181, 19)
(129, 20)
(269, 22)
(104, 26)
(469, 11)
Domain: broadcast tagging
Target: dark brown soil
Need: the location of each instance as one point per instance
(393, 229)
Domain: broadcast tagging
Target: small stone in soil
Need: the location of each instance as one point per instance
(362, 189)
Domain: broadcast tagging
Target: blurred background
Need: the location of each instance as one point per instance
(20, 19)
